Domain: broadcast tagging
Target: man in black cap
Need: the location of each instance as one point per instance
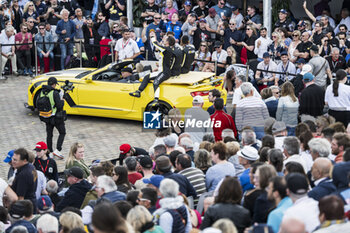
(284, 22)
(75, 195)
(286, 67)
(127, 76)
(50, 105)
(263, 77)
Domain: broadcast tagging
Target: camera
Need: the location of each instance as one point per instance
(68, 86)
(246, 19)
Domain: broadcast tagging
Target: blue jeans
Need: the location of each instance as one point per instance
(41, 60)
(259, 132)
(291, 131)
(66, 50)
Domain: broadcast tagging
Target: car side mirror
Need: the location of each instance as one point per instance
(88, 79)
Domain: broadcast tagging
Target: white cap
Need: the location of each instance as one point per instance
(198, 99)
(306, 69)
(249, 153)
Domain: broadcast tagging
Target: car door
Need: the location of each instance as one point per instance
(105, 98)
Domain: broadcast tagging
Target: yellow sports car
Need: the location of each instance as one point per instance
(97, 92)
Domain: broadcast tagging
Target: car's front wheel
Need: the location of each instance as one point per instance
(161, 106)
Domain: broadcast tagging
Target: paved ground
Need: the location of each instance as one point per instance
(20, 127)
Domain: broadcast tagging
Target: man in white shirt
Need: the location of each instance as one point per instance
(285, 67)
(8, 52)
(263, 77)
(236, 15)
(262, 43)
(238, 95)
(219, 55)
(304, 208)
(126, 48)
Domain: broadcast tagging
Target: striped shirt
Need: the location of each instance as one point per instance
(197, 179)
(251, 111)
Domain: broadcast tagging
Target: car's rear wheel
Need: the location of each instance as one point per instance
(162, 106)
(36, 96)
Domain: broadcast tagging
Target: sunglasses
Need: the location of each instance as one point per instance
(30, 21)
(248, 29)
(295, 35)
(41, 28)
(203, 45)
(157, 17)
(232, 24)
(274, 36)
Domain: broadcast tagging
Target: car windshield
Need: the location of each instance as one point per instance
(79, 76)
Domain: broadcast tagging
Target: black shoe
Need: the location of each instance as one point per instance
(135, 94)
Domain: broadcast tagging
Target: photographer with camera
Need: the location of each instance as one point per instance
(50, 106)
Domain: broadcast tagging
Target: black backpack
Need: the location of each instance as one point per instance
(44, 106)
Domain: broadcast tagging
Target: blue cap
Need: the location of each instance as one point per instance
(283, 53)
(308, 77)
(283, 11)
(9, 156)
(234, 8)
(188, 3)
(266, 54)
(155, 180)
(301, 61)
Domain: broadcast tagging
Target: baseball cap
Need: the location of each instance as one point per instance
(155, 180)
(9, 156)
(44, 202)
(212, 11)
(278, 126)
(40, 146)
(306, 69)
(163, 163)
(193, 14)
(234, 8)
(314, 48)
(308, 77)
(127, 69)
(51, 81)
(169, 141)
(297, 183)
(74, 171)
(202, 20)
(88, 17)
(198, 99)
(284, 53)
(217, 44)
(17, 210)
(301, 61)
(125, 148)
(248, 153)
(188, 3)
(283, 11)
(266, 54)
(146, 162)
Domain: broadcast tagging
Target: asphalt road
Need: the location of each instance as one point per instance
(20, 127)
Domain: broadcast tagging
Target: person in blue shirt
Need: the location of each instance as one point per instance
(223, 11)
(66, 31)
(277, 192)
(156, 26)
(174, 26)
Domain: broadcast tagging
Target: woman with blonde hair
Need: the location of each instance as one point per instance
(225, 225)
(231, 56)
(69, 220)
(76, 158)
(29, 11)
(287, 109)
(141, 220)
(293, 45)
(276, 47)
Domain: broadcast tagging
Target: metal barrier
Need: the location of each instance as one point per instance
(35, 43)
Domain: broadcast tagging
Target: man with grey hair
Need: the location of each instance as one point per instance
(52, 188)
(291, 147)
(8, 52)
(47, 224)
(187, 144)
(66, 31)
(237, 94)
(336, 61)
(251, 111)
(197, 114)
(319, 147)
(106, 188)
(170, 217)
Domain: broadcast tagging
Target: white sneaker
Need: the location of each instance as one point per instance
(58, 154)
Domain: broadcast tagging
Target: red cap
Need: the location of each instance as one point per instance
(125, 148)
(40, 146)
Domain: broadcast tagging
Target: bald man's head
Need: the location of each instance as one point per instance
(321, 168)
(292, 225)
